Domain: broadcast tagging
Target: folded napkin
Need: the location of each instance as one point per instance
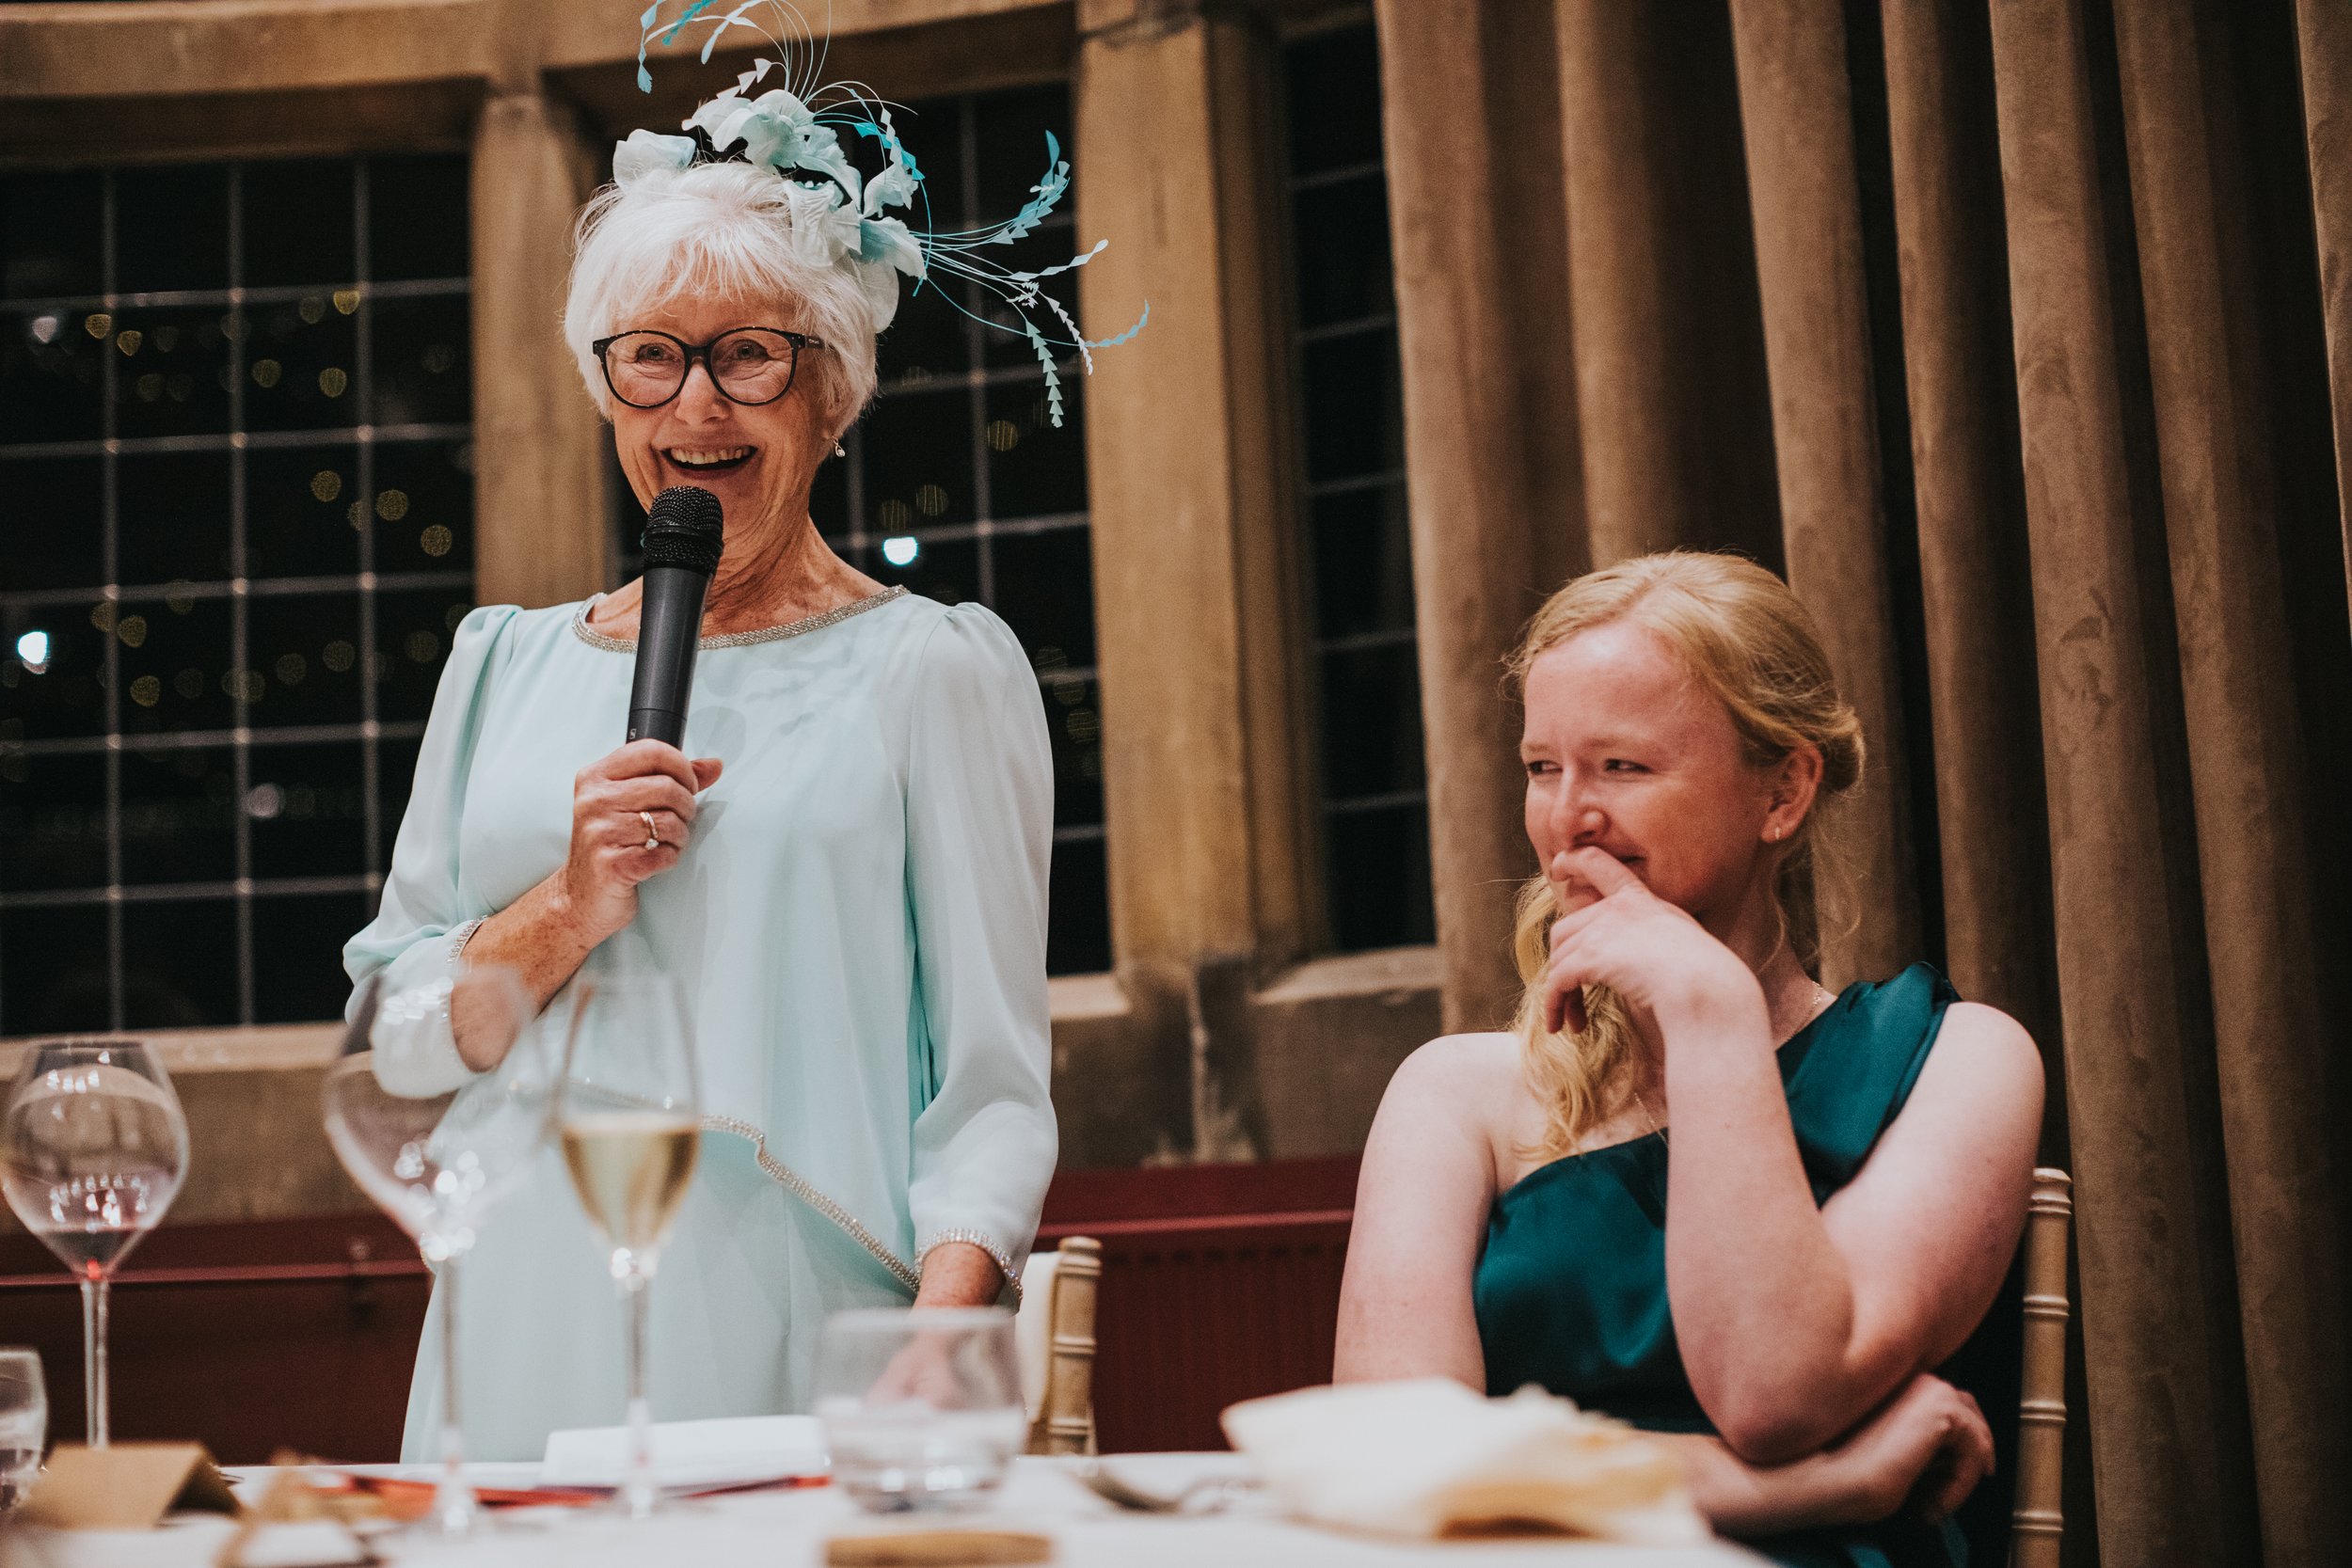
(725, 1450)
(1427, 1457)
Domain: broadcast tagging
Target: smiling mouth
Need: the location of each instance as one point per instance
(710, 460)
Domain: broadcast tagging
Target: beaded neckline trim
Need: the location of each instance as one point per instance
(738, 639)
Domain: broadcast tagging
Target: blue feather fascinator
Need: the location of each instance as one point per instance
(782, 116)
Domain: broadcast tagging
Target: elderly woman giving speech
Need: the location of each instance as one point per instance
(844, 867)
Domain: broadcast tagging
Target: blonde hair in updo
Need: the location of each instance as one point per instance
(1751, 644)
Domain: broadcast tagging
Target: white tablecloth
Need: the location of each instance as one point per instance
(787, 1529)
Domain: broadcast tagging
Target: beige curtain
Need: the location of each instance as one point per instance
(2019, 336)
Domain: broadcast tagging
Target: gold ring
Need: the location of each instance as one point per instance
(653, 839)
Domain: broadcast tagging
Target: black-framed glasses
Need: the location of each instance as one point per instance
(750, 365)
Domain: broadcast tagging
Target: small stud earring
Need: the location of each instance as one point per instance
(840, 451)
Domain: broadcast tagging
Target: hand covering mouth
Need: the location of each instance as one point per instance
(708, 460)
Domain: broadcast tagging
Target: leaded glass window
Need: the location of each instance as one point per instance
(236, 533)
(1376, 804)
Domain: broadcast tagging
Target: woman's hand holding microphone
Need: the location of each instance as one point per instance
(632, 811)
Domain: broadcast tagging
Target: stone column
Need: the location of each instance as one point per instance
(1193, 486)
(541, 534)
(1490, 439)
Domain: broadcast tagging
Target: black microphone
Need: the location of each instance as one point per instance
(683, 537)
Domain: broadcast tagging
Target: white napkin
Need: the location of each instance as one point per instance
(727, 1451)
(1427, 1457)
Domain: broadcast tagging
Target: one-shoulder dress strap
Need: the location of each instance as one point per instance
(1850, 1074)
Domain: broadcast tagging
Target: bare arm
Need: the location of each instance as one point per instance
(1927, 1447)
(957, 1274)
(1421, 1208)
(1795, 1321)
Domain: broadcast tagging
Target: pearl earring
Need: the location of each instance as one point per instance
(840, 451)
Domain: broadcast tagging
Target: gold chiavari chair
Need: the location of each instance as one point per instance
(2040, 1519)
(1055, 1333)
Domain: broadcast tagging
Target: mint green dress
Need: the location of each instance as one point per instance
(1570, 1289)
(859, 924)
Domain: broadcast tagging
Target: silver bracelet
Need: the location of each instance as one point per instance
(463, 934)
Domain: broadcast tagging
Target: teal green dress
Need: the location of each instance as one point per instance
(1570, 1289)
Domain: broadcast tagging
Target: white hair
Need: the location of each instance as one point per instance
(724, 230)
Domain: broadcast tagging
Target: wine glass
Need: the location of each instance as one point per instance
(630, 1113)
(437, 1156)
(922, 1406)
(92, 1150)
(24, 1424)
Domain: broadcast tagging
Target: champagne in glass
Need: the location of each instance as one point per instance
(436, 1147)
(631, 1113)
(92, 1150)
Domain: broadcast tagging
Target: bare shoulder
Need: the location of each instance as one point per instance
(1471, 1075)
(1989, 1042)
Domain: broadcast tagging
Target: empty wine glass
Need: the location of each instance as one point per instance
(435, 1145)
(24, 1424)
(630, 1113)
(92, 1150)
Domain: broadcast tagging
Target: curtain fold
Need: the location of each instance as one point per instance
(1797, 120)
(2060, 464)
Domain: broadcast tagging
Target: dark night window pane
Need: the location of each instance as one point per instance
(949, 571)
(1371, 721)
(298, 954)
(52, 522)
(417, 217)
(179, 963)
(52, 235)
(302, 359)
(1379, 878)
(396, 776)
(53, 970)
(307, 806)
(1073, 725)
(1034, 470)
(1355, 412)
(423, 361)
(303, 662)
(1364, 560)
(412, 632)
(50, 368)
(829, 501)
(54, 820)
(64, 699)
(1334, 91)
(1041, 580)
(918, 461)
(424, 506)
(298, 511)
(171, 229)
(175, 663)
(1078, 916)
(1342, 244)
(1010, 130)
(298, 223)
(173, 514)
(171, 371)
(924, 341)
(179, 815)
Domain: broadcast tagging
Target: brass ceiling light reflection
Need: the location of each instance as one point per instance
(98, 325)
(436, 541)
(266, 371)
(189, 683)
(347, 301)
(146, 691)
(128, 341)
(338, 656)
(133, 630)
(179, 598)
(290, 669)
(332, 381)
(312, 309)
(327, 484)
(930, 501)
(392, 505)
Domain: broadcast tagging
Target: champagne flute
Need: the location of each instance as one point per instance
(436, 1156)
(630, 1115)
(92, 1150)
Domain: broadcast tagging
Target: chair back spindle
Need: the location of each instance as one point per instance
(2039, 1522)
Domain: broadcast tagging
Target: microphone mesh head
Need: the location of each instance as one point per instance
(685, 528)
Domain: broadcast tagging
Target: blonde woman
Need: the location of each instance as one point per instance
(1691, 1187)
